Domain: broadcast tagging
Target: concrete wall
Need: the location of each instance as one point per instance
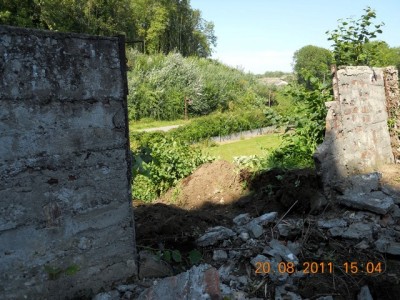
(66, 223)
(357, 137)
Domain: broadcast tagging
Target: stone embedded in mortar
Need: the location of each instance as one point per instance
(213, 235)
(376, 202)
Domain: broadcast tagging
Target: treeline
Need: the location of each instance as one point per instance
(159, 85)
(162, 26)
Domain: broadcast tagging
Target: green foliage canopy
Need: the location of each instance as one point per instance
(350, 39)
(163, 25)
(315, 60)
(160, 84)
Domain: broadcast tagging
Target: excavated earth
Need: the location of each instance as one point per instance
(244, 223)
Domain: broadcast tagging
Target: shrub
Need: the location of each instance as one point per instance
(159, 85)
(160, 163)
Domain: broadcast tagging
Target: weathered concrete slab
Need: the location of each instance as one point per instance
(213, 235)
(66, 224)
(376, 202)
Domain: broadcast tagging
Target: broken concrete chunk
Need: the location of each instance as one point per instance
(213, 235)
(244, 236)
(355, 231)
(277, 248)
(362, 245)
(285, 292)
(200, 282)
(395, 212)
(364, 183)
(358, 231)
(242, 219)
(364, 294)
(385, 245)
(220, 255)
(254, 227)
(327, 224)
(294, 247)
(258, 259)
(112, 295)
(376, 202)
(265, 218)
(392, 192)
(255, 230)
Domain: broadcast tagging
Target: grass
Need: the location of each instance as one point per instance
(150, 123)
(252, 146)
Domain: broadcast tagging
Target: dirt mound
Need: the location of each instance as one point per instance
(218, 182)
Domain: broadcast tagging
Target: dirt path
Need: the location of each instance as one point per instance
(162, 128)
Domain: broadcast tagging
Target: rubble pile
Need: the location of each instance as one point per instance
(286, 257)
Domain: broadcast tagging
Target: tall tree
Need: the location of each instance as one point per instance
(314, 61)
(164, 25)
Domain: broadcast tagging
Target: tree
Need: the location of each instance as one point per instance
(172, 25)
(350, 39)
(314, 61)
(382, 55)
(164, 25)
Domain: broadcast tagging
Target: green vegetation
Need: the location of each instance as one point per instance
(253, 146)
(162, 26)
(220, 124)
(312, 60)
(54, 273)
(352, 36)
(171, 78)
(160, 162)
(300, 143)
(159, 86)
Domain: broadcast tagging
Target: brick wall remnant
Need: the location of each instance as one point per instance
(66, 223)
(357, 137)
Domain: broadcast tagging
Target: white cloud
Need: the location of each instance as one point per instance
(259, 61)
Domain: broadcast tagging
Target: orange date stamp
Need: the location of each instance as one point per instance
(308, 267)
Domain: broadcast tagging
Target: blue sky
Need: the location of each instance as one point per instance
(262, 35)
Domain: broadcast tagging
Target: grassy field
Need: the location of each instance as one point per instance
(150, 123)
(252, 146)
